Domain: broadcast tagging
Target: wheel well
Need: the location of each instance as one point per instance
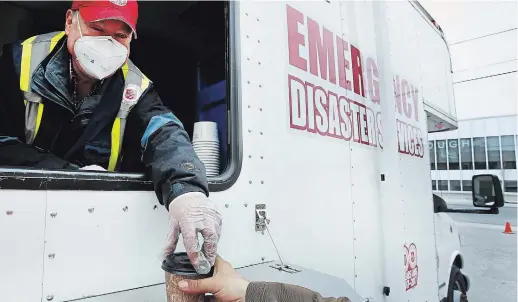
(458, 261)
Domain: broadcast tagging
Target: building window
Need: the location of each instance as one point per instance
(466, 155)
(454, 185)
(453, 154)
(442, 185)
(510, 186)
(431, 149)
(434, 184)
(508, 149)
(479, 151)
(442, 157)
(493, 152)
(466, 185)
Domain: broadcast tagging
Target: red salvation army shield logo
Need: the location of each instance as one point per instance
(131, 93)
(411, 267)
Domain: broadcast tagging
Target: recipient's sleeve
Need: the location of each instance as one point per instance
(280, 292)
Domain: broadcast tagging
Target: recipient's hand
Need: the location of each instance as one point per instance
(189, 214)
(226, 284)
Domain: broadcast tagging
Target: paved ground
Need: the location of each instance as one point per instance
(490, 255)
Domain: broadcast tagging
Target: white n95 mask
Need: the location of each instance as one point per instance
(99, 56)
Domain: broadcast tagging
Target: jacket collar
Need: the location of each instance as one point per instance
(51, 79)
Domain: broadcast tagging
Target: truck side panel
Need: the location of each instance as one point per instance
(304, 176)
(359, 34)
(415, 81)
(22, 231)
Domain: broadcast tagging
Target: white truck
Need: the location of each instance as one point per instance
(323, 109)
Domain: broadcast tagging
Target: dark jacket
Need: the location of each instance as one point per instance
(280, 292)
(155, 141)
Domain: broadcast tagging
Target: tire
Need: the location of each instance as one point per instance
(457, 283)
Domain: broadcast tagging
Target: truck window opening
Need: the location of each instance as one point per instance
(182, 47)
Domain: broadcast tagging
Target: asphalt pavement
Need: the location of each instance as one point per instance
(490, 255)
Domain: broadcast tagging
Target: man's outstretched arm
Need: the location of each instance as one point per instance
(179, 179)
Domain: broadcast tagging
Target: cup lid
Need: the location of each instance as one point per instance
(179, 264)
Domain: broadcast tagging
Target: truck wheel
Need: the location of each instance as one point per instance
(457, 288)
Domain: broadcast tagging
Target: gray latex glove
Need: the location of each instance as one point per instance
(189, 214)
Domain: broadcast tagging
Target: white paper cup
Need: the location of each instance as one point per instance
(211, 165)
(211, 162)
(206, 148)
(206, 143)
(203, 148)
(208, 155)
(205, 131)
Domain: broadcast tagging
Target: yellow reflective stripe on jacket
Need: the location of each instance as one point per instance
(132, 75)
(26, 64)
(116, 136)
(55, 40)
(34, 50)
(38, 118)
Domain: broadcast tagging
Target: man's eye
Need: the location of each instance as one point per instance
(122, 36)
(97, 29)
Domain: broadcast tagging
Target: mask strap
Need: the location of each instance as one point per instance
(78, 25)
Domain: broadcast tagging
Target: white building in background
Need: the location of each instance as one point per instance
(485, 73)
(479, 146)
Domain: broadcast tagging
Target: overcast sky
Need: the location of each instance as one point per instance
(465, 23)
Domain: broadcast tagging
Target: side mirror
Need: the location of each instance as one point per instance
(487, 191)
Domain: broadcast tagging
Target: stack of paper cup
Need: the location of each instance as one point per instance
(206, 145)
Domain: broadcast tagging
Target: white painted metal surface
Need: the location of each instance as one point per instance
(102, 242)
(142, 294)
(328, 207)
(22, 231)
(448, 248)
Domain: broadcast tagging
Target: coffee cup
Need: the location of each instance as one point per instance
(178, 267)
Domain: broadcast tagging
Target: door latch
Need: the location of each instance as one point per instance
(260, 218)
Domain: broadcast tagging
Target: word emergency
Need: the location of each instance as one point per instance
(323, 111)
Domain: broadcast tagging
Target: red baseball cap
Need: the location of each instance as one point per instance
(97, 10)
